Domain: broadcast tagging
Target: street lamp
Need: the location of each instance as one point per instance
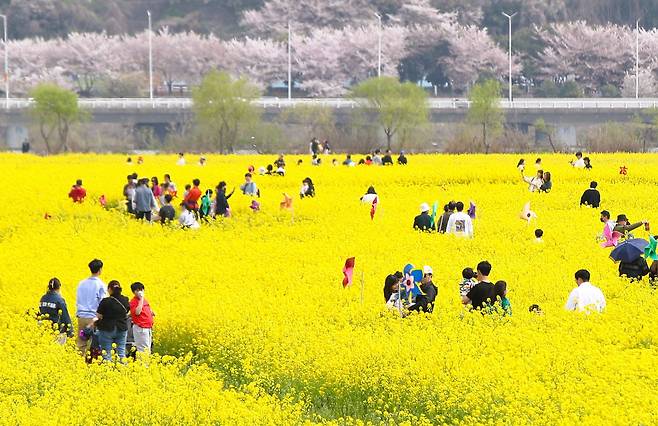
(4, 23)
(148, 12)
(379, 61)
(289, 62)
(509, 19)
(637, 59)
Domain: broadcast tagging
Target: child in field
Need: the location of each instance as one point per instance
(187, 217)
(307, 189)
(467, 283)
(501, 293)
(77, 193)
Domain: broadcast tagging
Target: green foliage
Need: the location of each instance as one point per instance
(397, 106)
(223, 107)
(485, 109)
(571, 89)
(610, 91)
(55, 109)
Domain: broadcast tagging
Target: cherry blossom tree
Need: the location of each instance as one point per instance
(262, 61)
(592, 55)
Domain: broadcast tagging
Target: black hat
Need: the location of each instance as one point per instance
(622, 217)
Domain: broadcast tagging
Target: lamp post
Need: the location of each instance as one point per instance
(4, 23)
(289, 61)
(509, 19)
(379, 55)
(637, 59)
(148, 12)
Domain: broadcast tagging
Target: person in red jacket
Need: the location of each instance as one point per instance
(192, 197)
(77, 193)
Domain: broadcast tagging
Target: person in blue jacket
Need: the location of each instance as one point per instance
(52, 307)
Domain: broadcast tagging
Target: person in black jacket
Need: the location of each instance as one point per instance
(387, 159)
(221, 205)
(425, 302)
(423, 221)
(52, 308)
(635, 270)
(591, 197)
(112, 321)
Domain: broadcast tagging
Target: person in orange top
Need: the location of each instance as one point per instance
(77, 193)
(192, 197)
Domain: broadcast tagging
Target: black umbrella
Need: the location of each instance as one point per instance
(629, 250)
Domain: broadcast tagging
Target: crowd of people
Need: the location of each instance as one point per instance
(106, 318)
(412, 290)
(453, 220)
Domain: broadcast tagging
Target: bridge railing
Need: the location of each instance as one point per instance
(337, 103)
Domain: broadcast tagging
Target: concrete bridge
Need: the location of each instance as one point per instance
(566, 116)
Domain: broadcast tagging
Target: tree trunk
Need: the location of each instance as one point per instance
(550, 141)
(389, 136)
(484, 138)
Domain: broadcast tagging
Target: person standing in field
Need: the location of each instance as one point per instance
(585, 297)
(249, 187)
(423, 221)
(181, 159)
(171, 185)
(483, 294)
(142, 319)
(112, 322)
(167, 212)
(221, 204)
(206, 209)
(579, 163)
(460, 223)
(591, 197)
(52, 307)
(144, 200)
(129, 193)
(192, 197)
(448, 210)
(624, 228)
(90, 292)
(77, 192)
(534, 183)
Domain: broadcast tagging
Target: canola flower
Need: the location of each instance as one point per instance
(255, 327)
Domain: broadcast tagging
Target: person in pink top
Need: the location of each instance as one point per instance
(156, 188)
(142, 318)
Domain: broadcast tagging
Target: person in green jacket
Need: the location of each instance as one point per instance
(206, 205)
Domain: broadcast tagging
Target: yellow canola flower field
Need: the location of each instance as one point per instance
(253, 324)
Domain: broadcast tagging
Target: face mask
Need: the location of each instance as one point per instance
(140, 294)
(603, 220)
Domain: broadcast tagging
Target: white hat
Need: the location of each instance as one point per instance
(424, 207)
(427, 269)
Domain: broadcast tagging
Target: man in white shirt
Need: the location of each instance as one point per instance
(585, 297)
(460, 223)
(579, 163)
(89, 295)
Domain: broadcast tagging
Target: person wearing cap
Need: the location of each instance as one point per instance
(112, 321)
(77, 193)
(460, 223)
(591, 197)
(624, 228)
(585, 297)
(423, 221)
(483, 293)
(425, 302)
